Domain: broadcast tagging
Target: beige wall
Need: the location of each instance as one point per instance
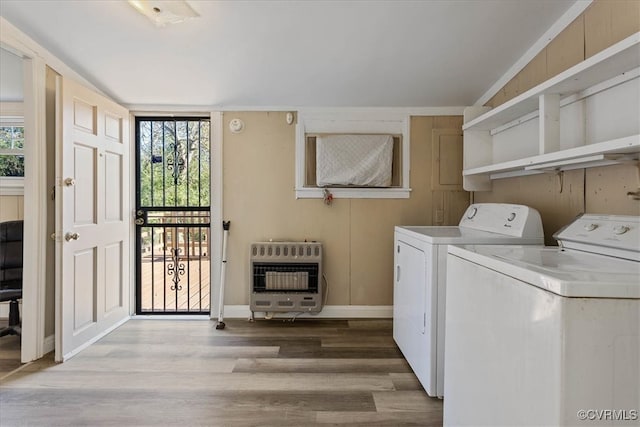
(11, 208)
(357, 234)
(558, 198)
(598, 190)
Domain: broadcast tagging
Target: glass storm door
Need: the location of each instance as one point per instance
(172, 215)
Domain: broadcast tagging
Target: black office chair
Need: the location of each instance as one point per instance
(11, 235)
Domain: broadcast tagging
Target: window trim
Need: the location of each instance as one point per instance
(383, 122)
(12, 114)
(11, 186)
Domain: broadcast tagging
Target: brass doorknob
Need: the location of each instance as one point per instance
(71, 236)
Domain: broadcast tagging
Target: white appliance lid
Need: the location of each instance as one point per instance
(459, 235)
(569, 273)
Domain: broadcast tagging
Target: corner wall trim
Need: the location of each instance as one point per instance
(328, 312)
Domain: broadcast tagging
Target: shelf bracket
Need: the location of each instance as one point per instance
(549, 123)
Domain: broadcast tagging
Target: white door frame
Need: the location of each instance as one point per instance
(216, 210)
(35, 210)
(35, 61)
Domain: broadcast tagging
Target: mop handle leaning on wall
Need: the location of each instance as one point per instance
(226, 225)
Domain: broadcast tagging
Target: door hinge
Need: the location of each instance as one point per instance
(53, 192)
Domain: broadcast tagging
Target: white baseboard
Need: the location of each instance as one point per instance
(328, 312)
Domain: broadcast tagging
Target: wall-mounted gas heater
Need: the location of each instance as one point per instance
(286, 277)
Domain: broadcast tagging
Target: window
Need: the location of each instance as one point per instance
(11, 155)
(12, 151)
(394, 160)
(349, 125)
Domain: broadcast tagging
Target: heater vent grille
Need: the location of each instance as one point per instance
(286, 276)
(283, 280)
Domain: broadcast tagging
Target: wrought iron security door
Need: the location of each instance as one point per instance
(172, 215)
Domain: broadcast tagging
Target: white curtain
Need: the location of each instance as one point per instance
(356, 160)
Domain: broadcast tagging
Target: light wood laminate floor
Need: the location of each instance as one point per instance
(9, 353)
(187, 373)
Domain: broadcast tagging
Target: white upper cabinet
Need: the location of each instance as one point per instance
(588, 115)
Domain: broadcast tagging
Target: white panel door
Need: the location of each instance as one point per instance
(93, 230)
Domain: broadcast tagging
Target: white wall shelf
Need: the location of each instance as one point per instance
(629, 145)
(613, 61)
(542, 130)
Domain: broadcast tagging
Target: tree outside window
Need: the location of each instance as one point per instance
(11, 150)
(11, 153)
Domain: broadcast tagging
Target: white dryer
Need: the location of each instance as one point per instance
(546, 336)
(419, 279)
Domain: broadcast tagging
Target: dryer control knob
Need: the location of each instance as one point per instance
(472, 212)
(590, 227)
(511, 216)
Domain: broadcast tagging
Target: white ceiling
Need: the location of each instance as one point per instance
(292, 53)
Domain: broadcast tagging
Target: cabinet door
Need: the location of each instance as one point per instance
(446, 160)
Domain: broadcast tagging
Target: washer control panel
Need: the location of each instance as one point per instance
(607, 231)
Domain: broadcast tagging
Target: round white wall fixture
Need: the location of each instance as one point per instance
(289, 118)
(236, 125)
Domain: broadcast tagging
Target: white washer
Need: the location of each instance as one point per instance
(535, 335)
(419, 280)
